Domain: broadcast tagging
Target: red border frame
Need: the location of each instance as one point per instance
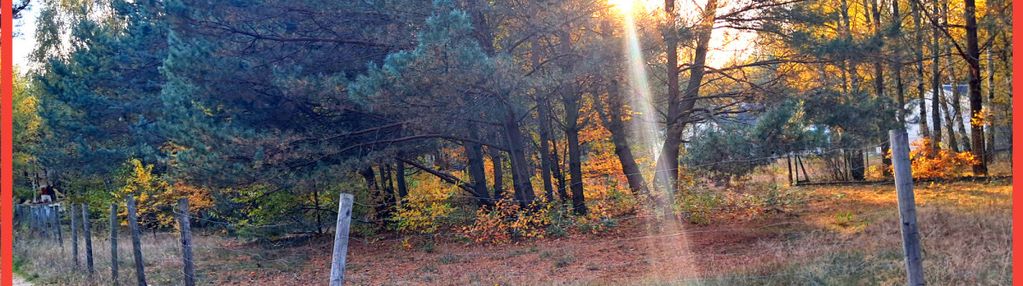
(1017, 138)
(7, 166)
(6, 144)
(1017, 150)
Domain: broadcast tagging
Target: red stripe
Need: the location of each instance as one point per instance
(6, 145)
(1017, 139)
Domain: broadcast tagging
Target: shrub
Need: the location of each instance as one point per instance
(507, 221)
(426, 206)
(155, 197)
(943, 163)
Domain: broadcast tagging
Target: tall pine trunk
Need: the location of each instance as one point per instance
(897, 65)
(402, 185)
(544, 120)
(559, 174)
(477, 170)
(496, 158)
(918, 32)
(936, 108)
(571, 101)
(517, 153)
(612, 119)
(666, 169)
(545, 148)
(976, 99)
(879, 75)
(953, 143)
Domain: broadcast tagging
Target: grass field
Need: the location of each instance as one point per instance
(831, 236)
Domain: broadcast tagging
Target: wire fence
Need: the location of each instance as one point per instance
(49, 227)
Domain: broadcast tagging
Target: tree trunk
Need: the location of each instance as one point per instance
(545, 149)
(402, 185)
(559, 175)
(544, 119)
(519, 165)
(612, 119)
(900, 90)
(960, 130)
(374, 188)
(976, 99)
(477, 171)
(857, 168)
(848, 63)
(953, 143)
(919, 57)
(316, 202)
(575, 176)
(496, 158)
(570, 99)
(990, 107)
(879, 76)
(386, 190)
(666, 169)
(936, 108)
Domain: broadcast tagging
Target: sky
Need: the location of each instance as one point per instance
(24, 41)
(723, 48)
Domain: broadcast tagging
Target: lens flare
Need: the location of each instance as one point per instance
(625, 7)
(667, 248)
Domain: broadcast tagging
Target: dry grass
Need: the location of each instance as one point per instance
(219, 260)
(854, 238)
(839, 235)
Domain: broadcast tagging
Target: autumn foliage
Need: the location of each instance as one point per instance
(942, 163)
(506, 221)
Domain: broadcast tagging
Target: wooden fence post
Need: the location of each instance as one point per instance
(37, 229)
(88, 238)
(32, 220)
(74, 234)
(41, 221)
(344, 218)
(113, 244)
(186, 241)
(136, 242)
(48, 221)
(907, 206)
(56, 223)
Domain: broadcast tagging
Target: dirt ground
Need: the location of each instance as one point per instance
(833, 236)
(645, 251)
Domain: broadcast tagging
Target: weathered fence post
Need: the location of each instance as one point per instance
(186, 241)
(136, 242)
(74, 234)
(37, 228)
(48, 221)
(32, 220)
(41, 222)
(88, 238)
(56, 223)
(344, 218)
(907, 206)
(113, 244)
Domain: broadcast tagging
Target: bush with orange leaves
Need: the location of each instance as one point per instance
(506, 221)
(155, 197)
(942, 163)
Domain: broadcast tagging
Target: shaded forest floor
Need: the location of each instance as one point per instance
(835, 235)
